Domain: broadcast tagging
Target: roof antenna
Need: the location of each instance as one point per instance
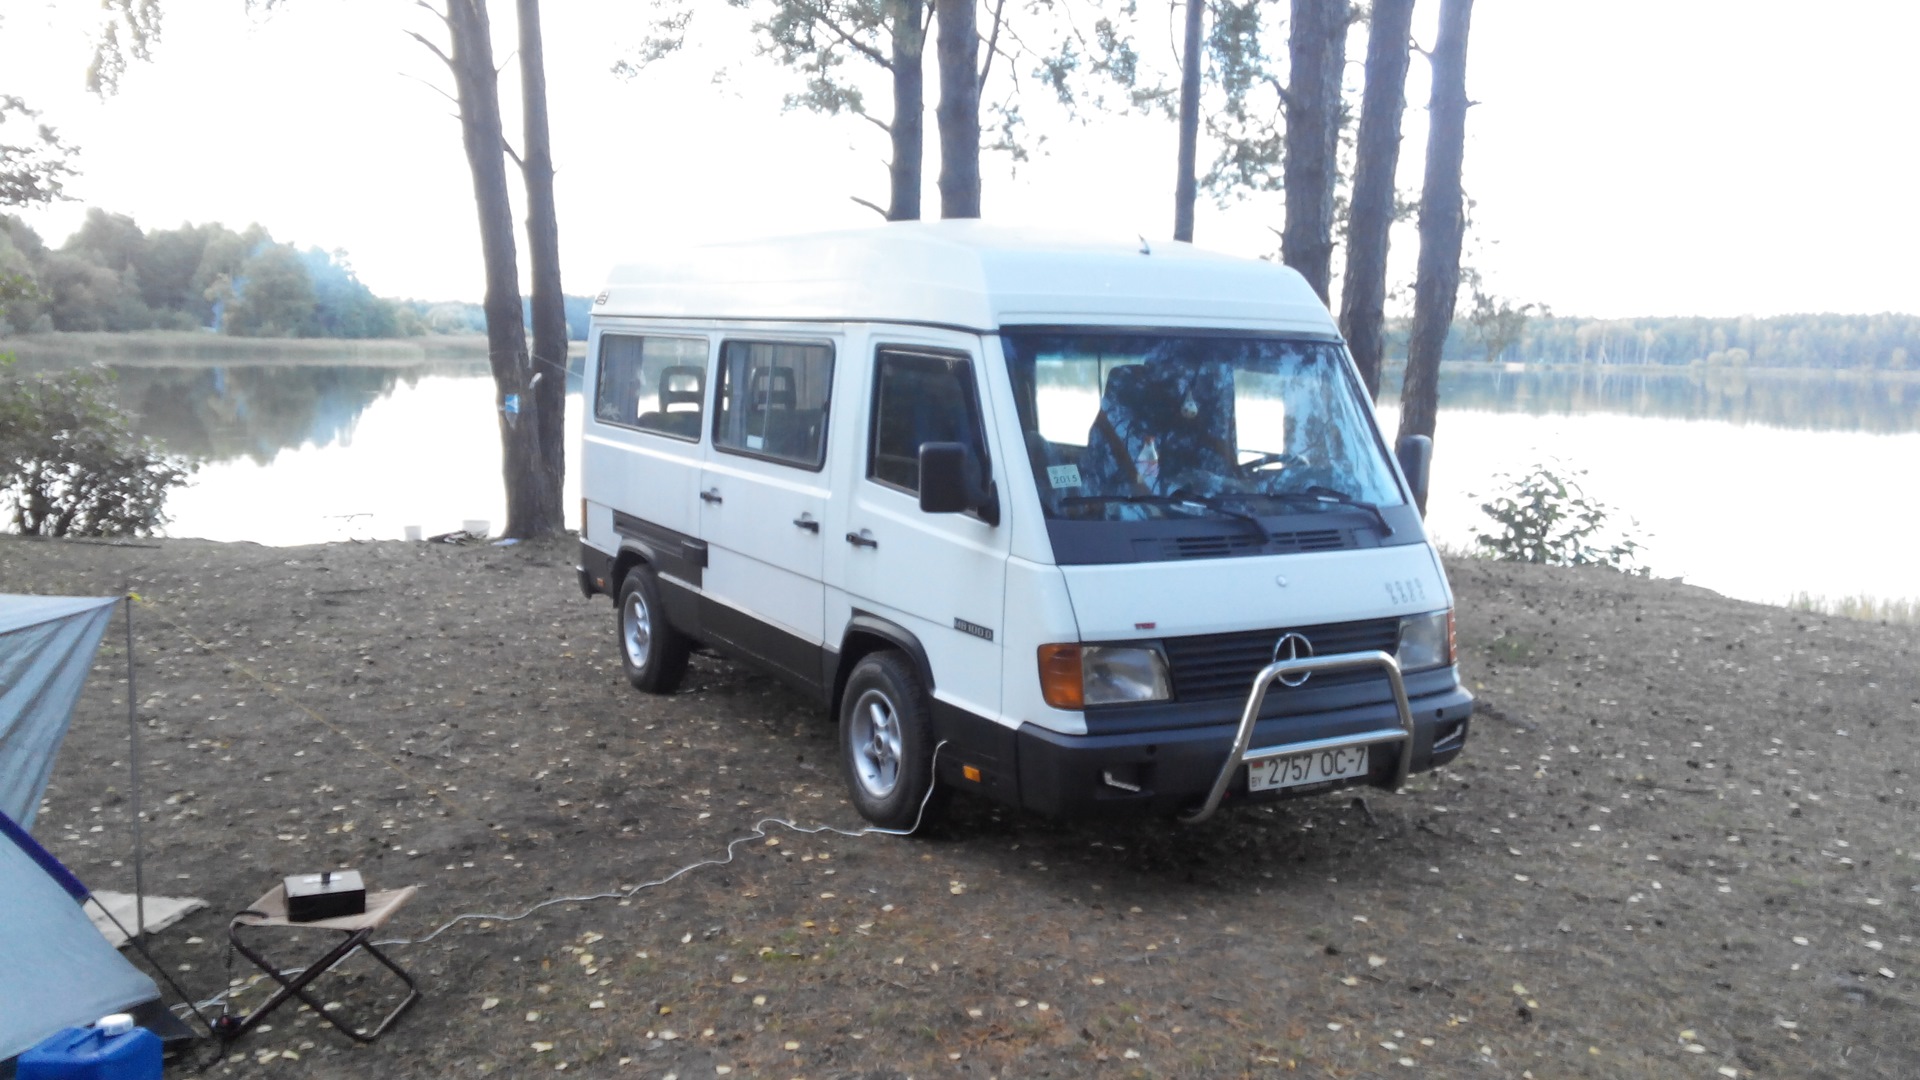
(1145, 249)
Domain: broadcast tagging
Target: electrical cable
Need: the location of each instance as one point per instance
(758, 832)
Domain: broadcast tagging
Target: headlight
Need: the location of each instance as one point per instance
(1426, 641)
(1076, 676)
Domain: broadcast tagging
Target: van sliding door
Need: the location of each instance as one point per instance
(763, 495)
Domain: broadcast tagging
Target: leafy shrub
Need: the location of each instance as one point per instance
(70, 463)
(1543, 516)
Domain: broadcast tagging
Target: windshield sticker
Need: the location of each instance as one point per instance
(1063, 476)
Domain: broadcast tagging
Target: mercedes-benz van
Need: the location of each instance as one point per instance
(1080, 526)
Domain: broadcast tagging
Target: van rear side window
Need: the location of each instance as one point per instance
(773, 400)
(656, 384)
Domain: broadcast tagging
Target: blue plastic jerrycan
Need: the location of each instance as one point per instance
(113, 1049)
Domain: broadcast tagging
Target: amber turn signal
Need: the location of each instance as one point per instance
(1060, 680)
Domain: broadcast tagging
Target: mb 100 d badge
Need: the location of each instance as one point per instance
(965, 627)
(1293, 647)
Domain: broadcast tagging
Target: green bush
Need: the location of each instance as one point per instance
(70, 463)
(1543, 516)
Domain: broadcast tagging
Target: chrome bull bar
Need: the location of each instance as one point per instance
(1309, 665)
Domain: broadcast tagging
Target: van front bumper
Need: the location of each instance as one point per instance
(1174, 771)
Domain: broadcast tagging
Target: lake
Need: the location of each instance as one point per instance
(1758, 485)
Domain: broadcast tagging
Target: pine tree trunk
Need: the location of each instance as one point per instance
(908, 128)
(478, 91)
(1185, 189)
(1316, 47)
(549, 367)
(1437, 286)
(1363, 297)
(959, 110)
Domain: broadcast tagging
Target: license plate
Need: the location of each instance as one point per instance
(1312, 767)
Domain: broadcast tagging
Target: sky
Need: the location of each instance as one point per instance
(1625, 157)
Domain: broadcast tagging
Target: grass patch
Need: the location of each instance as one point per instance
(1864, 608)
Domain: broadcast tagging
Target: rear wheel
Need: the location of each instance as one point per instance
(653, 653)
(886, 743)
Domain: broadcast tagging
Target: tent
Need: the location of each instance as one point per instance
(56, 970)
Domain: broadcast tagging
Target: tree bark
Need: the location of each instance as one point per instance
(908, 128)
(1437, 286)
(1185, 190)
(1316, 47)
(1363, 296)
(549, 358)
(959, 110)
(471, 60)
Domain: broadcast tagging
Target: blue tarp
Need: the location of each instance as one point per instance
(46, 648)
(56, 970)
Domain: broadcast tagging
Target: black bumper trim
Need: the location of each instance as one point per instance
(1066, 775)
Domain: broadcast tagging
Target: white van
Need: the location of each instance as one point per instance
(1107, 526)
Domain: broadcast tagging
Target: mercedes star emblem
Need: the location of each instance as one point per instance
(1293, 647)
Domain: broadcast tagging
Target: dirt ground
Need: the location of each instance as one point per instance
(1683, 841)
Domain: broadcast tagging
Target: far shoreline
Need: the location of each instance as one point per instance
(188, 347)
(185, 347)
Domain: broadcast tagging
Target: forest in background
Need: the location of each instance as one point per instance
(1883, 342)
(113, 276)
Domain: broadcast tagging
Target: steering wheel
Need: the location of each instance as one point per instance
(1260, 464)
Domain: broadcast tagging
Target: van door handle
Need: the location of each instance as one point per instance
(711, 495)
(860, 539)
(808, 524)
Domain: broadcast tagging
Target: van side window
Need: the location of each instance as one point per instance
(920, 398)
(773, 401)
(655, 384)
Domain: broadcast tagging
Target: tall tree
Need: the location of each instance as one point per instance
(959, 110)
(1236, 100)
(1363, 295)
(1317, 49)
(549, 380)
(1185, 188)
(1442, 222)
(533, 507)
(906, 62)
(32, 167)
(817, 38)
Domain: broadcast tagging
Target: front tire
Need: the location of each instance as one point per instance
(653, 653)
(886, 743)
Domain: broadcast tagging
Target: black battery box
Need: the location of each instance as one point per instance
(328, 894)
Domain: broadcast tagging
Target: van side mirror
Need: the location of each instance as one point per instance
(1416, 461)
(950, 483)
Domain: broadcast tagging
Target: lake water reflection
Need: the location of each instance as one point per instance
(1757, 485)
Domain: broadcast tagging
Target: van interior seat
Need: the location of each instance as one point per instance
(791, 433)
(682, 385)
(773, 388)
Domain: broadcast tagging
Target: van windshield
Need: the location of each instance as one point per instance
(1142, 427)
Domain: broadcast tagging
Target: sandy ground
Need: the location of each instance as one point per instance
(1682, 842)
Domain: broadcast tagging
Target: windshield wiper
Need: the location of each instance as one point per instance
(1321, 495)
(1190, 502)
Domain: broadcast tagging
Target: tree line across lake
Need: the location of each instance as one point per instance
(113, 276)
(1883, 342)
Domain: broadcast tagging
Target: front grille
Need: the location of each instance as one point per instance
(1212, 666)
(1224, 545)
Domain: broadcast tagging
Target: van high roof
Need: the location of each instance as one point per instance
(970, 275)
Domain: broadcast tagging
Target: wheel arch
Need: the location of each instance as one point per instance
(629, 556)
(867, 634)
